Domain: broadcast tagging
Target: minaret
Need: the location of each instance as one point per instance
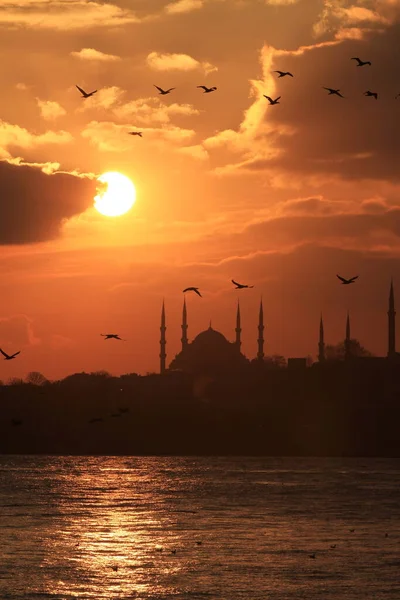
(238, 329)
(184, 338)
(391, 324)
(163, 342)
(260, 353)
(321, 343)
(347, 350)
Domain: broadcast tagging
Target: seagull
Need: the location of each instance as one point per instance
(163, 92)
(333, 546)
(360, 62)
(139, 133)
(352, 530)
(283, 73)
(276, 101)
(111, 336)
(123, 410)
(241, 286)
(85, 94)
(312, 556)
(332, 91)
(115, 568)
(347, 281)
(374, 94)
(206, 89)
(193, 289)
(9, 356)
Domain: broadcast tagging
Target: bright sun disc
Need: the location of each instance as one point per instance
(118, 195)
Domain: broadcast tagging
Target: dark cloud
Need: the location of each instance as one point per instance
(34, 205)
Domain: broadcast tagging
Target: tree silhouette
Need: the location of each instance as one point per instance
(276, 361)
(15, 381)
(338, 351)
(36, 378)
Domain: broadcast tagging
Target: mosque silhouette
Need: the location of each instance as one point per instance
(210, 352)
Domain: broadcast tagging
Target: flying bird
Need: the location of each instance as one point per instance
(9, 356)
(193, 289)
(396, 96)
(96, 420)
(276, 101)
(85, 94)
(241, 286)
(111, 336)
(347, 281)
(139, 133)
(16, 422)
(374, 94)
(361, 63)
(332, 91)
(283, 73)
(206, 89)
(163, 92)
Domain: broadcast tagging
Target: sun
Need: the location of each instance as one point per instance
(117, 196)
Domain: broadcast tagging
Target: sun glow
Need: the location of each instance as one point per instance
(116, 196)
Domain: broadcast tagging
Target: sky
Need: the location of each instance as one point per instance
(281, 197)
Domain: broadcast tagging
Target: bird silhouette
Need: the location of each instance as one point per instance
(163, 92)
(206, 89)
(396, 96)
(361, 63)
(333, 546)
(193, 289)
(9, 356)
(347, 281)
(276, 101)
(332, 91)
(16, 422)
(374, 94)
(241, 286)
(111, 336)
(85, 94)
(139, 133)
(311, 555)
(283, 74)
(96, 420)
(352, 530)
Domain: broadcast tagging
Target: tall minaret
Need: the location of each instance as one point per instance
(238, 329)
(391, 324)
(347, 350)
(163, 342)
(260, 353)
(321, 343)
(184, 338)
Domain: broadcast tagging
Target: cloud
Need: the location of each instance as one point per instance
(104, 98)
(151, 110)
(183, 6)
(63, 14)
(17, 332)
(353, 19)
(36, 204)
(18, 137)
(49, 109)
(92, 54)
(178, 62)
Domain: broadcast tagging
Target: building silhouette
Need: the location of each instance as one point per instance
(211, 353)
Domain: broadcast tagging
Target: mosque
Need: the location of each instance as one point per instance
(211, 353)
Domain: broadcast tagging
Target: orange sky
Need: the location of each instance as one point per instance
(282, 197)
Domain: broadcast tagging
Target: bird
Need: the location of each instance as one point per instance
(173, 551)
(115, 568)
(9, 356)
(96, 420)
(283, 73)
(333, 546)
(16, 422)
(361, 63)
(139, 133)
(352, 530)
(276, 101)
(396, 96)
(163, 92)
(114, 415)
(206, 89)
(347, 281)
(85, 94)
(332, 91)
(111, 336)
(123, 410)
(241, 286)
(193, 289)
(374, 94)
(312, 556)
(386, 535)
(198, 543)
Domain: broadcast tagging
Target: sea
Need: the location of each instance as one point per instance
(186, 528)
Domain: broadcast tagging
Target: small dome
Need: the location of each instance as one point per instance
(210, 336)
